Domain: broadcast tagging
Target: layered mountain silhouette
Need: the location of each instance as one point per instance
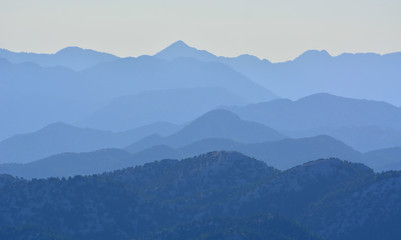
(61, 94)
(71, 57)
(361, 138)
(384, 159)
(60, 137)
(313, 72)
(172, 199)
(42, 95)
(90, 146)
(283, 154)
(321, 110)
(72, 164)
(351, 120)
(214, 124)
(132, 75)
(174, 105)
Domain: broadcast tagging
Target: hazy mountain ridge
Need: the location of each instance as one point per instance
(61, 94)
(213, 124)
(219, 184)
(361, 138)
(163, 105)
(283, 154)
(320, 111)
(60, 137)
(312, 72)
(71, 57)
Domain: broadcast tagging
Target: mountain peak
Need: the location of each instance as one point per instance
(71, 49)
(181, 49)
(179, 43)
(313, 55)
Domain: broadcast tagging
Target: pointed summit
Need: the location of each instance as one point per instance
(181, 49)
(180, 43)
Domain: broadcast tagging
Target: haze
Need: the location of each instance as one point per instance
(274, 30)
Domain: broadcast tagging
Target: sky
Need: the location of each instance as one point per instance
(277, 30)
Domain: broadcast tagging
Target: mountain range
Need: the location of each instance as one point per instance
(69, 86)
(170, 105)
(312, 72)
(212, 131)
(70, 57)
(213, 124)
(187, 145)
(206, 196)
(282, 154)
(60, 137)
(61, 94)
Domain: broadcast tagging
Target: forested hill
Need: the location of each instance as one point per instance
(173, 199)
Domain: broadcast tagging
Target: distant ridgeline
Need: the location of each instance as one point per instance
(88, 142)
(61, 150)
(219, 195)
(79, 85)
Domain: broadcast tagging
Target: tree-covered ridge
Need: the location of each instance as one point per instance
(227, 187)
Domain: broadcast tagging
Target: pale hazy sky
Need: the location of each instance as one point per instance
(277, 30)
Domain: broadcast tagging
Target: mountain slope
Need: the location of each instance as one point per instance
(313, 72)
(60, 137)
(368, 201)
(384, 159)
(180, 49)
(61, 94)
(70, 57)
(230, 188)
(321, 111)
(282, 154)
(213, 124)
(361, 138)
(150, 73)
(72, 164)
(173, 105)
(257, 227)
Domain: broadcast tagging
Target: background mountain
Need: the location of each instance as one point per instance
(153, 199)
(71, 164)
(213, 124)
(281, 154)
(132, 75)
(362, 124)
(70, 57)
(313, 72)
(321, 111)
(361, 138)
(61, 94)
(60, 137)
(384, 159)
(173, 105)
